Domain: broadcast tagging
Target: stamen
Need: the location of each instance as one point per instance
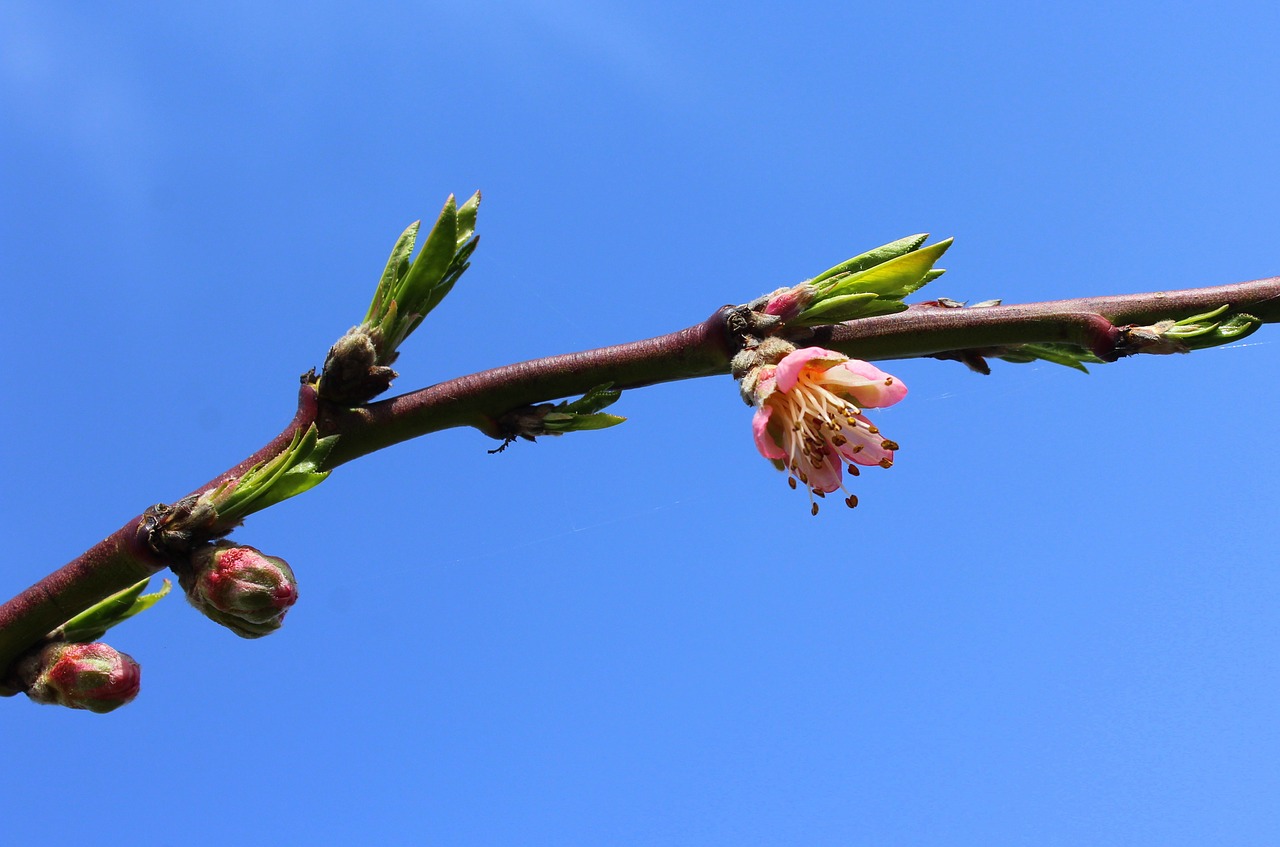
(791, 480)
(853, 471)
(886, 462)
(890, 445)
(851, 501)
(814, 510)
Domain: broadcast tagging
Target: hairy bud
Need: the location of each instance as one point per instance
(239, 587)
(93, 676)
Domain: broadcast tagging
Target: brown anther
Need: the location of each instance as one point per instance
(888, 380)
(839, 440)
(804, 478)
(851, 501)
(857, 448)
(853, 471)
(890, 445)
(814, 510)
(821, 493)
(886, 462)
(791, 480)
(874, 430)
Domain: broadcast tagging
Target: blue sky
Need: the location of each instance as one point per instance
(1053, 622)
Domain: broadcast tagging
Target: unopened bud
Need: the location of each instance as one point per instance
(786, 303)
(93, 676)
(240, 588)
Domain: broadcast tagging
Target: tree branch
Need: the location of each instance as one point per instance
(705, 349)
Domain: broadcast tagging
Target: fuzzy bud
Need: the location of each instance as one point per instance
(353, 371)
(239, 587)
(93, 676)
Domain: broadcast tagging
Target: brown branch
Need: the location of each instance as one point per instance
(703, 350)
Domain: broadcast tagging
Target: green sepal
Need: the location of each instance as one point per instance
(93, 623)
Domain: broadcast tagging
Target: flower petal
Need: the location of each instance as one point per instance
(863, 447)
(825, 477)
(764, 441)
(788, 373)
(868, 385)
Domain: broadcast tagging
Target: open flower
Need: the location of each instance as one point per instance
(809, 416)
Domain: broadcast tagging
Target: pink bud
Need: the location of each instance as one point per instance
(240, 588)
(92, 676)
(786, 303)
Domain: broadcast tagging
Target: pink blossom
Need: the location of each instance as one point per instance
(809, 417)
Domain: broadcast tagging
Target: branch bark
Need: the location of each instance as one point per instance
(705, 349)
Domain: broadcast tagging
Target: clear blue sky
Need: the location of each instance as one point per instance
(1054, 622)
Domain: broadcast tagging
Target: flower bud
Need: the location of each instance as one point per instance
(240, 588)
(93, 676)
(787, 303)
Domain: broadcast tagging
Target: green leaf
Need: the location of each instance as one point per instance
(397, 267)
(288, 474)
(600, 420)
(433, 260)
(467, 219)
(600, 397)
(871, 258)
(557, 422)
(896, 277)
(843, 307)
(1067, 355)
(93, 623)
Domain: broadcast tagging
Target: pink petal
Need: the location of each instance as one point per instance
(825, 477)
(872, 451)
(881, 389)
(764, 441)
(788, 373)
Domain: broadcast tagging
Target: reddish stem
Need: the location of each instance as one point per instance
(702, 350)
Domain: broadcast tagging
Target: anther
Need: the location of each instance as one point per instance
(814, 510)
(886, 462)
(851, 501)
(890, 445)
(853, 471)
(791, 480)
